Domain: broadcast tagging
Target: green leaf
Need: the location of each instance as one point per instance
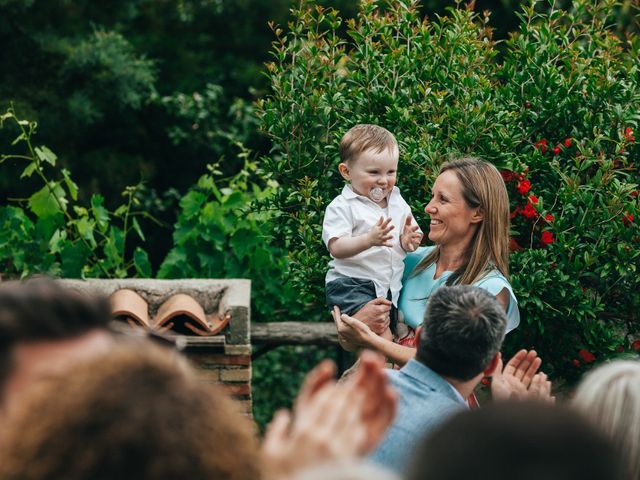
(49, 201)
(74, 258)
(136, 227)
(192, 202)
(27, 172)
(142, 263)
(85, 229)
(71, 185)
(99, 212)
(56, 244)
(46, 155)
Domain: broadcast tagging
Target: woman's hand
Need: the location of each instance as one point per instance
(352, 331)
(375, 314)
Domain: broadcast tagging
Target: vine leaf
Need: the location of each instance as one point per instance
(49, 201)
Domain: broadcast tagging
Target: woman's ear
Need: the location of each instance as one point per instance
(344, 171)
(478, 215)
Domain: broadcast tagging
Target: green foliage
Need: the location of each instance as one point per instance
(206, 122)
(444, 91)
(222, 232)
(52, 232)
(277, 376)
(106, 62)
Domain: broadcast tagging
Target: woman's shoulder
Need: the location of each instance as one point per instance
(421, 252)
(494, 282)
(414, 258)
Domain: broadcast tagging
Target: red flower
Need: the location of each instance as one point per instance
(508, 175)
(619, 349)
(524, 186)
(533, 199)
(634, 194)
(547, 238)
(567, 142)
(514, 246)
(576, 363)
(541, 145)
(529, 211)
(635, 345)
(628, 134)
(627, 218)
(556, 150)
(586, 355)
(549, 218)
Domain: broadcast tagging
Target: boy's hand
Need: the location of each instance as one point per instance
(411, 237)
(380, 235)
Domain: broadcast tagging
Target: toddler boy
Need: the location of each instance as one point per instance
(359, 227)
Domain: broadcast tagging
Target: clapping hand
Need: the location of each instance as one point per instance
(411, 236)
(331, 421)
(519, 380)
(380, 235)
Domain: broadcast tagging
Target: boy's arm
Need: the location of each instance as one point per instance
(348, 246)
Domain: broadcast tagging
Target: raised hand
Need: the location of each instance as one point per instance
(380, 235)
(411, 236)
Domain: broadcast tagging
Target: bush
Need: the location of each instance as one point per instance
(52, 232)
(556, 111)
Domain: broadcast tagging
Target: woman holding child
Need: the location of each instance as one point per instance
(469, 225)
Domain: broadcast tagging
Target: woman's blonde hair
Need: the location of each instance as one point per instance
(482, 187)
(610, 396)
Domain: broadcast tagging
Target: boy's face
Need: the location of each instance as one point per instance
(371, 169)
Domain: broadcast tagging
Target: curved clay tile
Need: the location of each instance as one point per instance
(130, 307)
(218, 323)
(182, 314)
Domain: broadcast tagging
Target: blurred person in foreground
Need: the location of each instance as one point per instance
(44, 327)
(610, 397)
(140, 412)
(460, 344)
(518, 440)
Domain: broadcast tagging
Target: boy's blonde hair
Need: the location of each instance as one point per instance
(365, 137)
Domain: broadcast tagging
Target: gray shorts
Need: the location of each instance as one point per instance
(350, 294)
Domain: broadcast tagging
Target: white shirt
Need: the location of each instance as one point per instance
(350, 214)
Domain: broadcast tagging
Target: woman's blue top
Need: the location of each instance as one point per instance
(417, 289)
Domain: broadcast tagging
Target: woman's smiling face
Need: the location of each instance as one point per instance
(453, 221)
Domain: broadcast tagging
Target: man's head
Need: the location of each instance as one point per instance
(369, 159)
(138, 412)
(464, 327)
(517, 440)
(44, 325)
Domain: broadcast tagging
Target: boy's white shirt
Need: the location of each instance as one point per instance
(350, 214)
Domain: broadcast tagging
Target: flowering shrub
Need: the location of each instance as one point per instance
(556, 112)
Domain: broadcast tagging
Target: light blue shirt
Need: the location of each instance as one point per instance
(416, 289)
(425, 401)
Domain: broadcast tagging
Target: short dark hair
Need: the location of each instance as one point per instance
(137, 412)
(519, 440)
(41, 308)
(464, 327)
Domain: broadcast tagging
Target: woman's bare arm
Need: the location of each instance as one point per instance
(357, 333)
